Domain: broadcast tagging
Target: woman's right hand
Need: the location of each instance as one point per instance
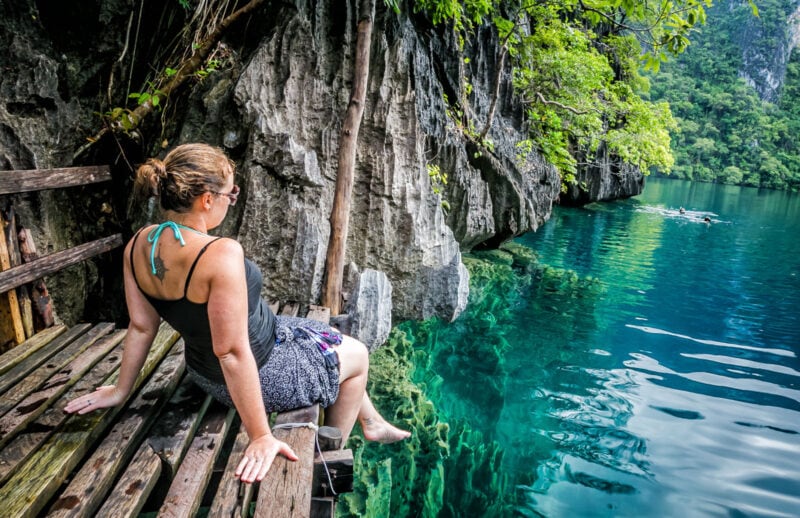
(259, 455)
(103, 397)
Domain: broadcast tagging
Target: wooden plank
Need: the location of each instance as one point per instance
(320, 313)
(90, 485)
(12, 332)
(273, 306)
(290, 309)
(25, 367)
(133, 488)
(38, 432)
(29, 346)
(186, 492)
(34, 379)
(35, 482)
(39, 179)
(340, 470)
(171, 436)
(286, 490)
(226, 500)
(167, 443)
(38, 401)
(43, 317)
(43, 266)
(25, 306)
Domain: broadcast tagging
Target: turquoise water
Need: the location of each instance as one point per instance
(645, 365)
(681, 392)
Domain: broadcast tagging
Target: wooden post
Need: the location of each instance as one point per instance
(43, 318)
(12, 332)
(340, 212)
(14, 254)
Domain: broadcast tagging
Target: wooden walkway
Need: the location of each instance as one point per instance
(170, 449)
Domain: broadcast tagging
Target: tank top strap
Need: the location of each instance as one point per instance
(191, 269)
(133, 266)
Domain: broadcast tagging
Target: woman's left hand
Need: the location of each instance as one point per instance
(102, 397)
(258, 457)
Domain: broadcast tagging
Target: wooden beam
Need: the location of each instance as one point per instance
(23, 368)
(286, 490)
(290, 309)
(159, 456)
(186, 492)
(33, 380)
(320, 313)
(35, 482)
(12, 332)
(226, 499)
(89, 486)
(39, 179)
(30, 346)
(26, 308)
(37, 402)
(52, 263)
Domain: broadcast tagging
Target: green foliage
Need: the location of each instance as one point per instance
(438, 182)
(576, 65)
(725, 132)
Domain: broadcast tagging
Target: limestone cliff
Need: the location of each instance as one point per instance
(276, 107)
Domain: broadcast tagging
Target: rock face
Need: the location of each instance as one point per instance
(606, 179)
(278, 110)
(767, 47)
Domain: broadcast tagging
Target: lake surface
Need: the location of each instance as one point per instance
(681, 396)
(647, 366)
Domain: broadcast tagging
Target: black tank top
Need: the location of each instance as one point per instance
(190, 319)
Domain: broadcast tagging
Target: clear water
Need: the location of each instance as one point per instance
(680, 391)
(651, 370)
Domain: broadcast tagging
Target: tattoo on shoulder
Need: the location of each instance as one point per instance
(161, 268)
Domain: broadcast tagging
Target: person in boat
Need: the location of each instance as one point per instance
(236, 349)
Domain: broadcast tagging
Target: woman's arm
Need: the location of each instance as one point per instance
(227, 313)
(138, 340)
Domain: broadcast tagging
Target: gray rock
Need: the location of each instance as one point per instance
(370, 309)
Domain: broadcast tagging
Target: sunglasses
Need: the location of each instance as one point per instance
(232, 196)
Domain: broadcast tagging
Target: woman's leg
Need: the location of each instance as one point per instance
(353, 369)
(353, 401)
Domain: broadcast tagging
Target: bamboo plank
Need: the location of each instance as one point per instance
(186, 492)
(90, 485)
(26, 309)
(40, 179)
(286, 490)
(26, 442)
(320, 313)
(43, 266)
(135, 485)
(23, 368)
(30, 346)
(290, 309)
(38, 401)
(17, 394)
(33, 484)
(12, 332)
(226, 500)
(166, 444)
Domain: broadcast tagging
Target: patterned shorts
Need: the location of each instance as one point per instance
(302, 369)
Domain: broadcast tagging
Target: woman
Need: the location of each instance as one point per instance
(237, 350)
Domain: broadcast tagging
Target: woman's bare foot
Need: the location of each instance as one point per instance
(380, 431)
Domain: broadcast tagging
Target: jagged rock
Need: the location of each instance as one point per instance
(370, 308)
(606, 179)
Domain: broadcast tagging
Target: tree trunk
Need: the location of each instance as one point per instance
(340, 213)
